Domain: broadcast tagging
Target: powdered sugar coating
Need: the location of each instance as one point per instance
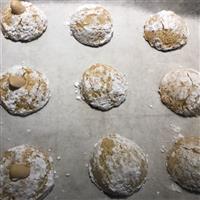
(24, 27)
(183, 163)
(103, 87)
(40, 181)
(166, 31)
(180, 91)
(118, 166)
(92, 25)
(29, 98)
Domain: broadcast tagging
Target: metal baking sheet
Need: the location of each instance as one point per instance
(70, 128)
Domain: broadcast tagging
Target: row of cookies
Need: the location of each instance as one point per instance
(24, 90)
(92, 25)
(117, 166)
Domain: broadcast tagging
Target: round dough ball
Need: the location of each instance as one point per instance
(103, 87)
(23, 90)
(118, 166)
(183, 163)
(166, 31)
(22, 21)
(180, 91)
(27, 173)
(92, 25)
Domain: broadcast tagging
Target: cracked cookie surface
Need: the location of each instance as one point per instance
(92, 25)
(26, 173)
(103, 87)
(118, 166)
(180, 91)
(23, 90)
(183, 163)
(23, 26)
(166, 31)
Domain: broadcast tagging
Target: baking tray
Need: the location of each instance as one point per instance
(69, 128)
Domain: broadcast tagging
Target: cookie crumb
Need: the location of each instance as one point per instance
(58, 158)
(163, 149)
(67, 175)
(28, 130)
(175, 188)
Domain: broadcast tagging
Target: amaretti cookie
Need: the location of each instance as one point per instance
(23, 90)
(166, 31)
(27, 173)
(183, 163)
(22, 21)
(92, 25)
(103, 87)
(180, 91)
(118, 166)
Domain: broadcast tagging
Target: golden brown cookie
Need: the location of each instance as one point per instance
(22, 21)
(23, 90)
(180, 91)
(103, 87)
(166, 31)
(118, 166)
(26, 173)
(92, 25)
(183, 163)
